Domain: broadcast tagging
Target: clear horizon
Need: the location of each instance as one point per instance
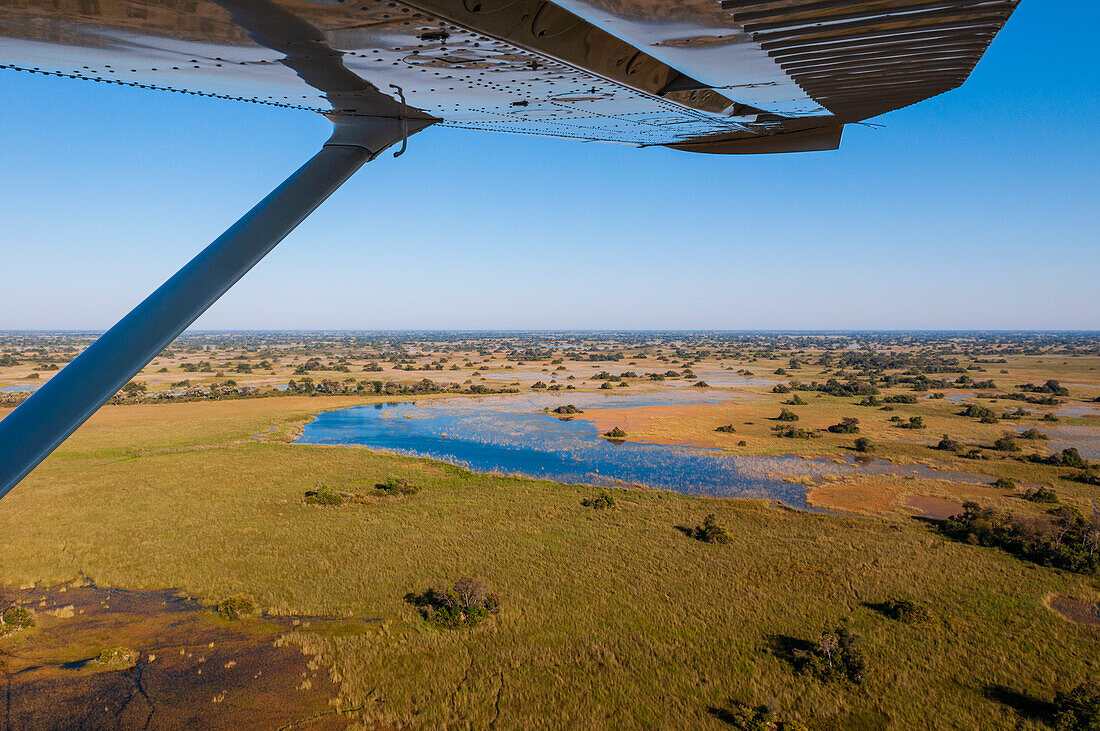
(971, 211)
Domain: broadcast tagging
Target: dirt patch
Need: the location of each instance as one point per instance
(863, 497)
(661, 424)
(192, 668)
(937, 508)
(1080, 611)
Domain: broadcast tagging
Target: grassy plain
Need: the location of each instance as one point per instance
(610, 619)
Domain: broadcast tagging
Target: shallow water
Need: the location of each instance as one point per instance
(513, 435)
(22, 387)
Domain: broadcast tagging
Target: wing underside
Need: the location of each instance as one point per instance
(732, 76)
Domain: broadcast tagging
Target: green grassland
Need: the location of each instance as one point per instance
(610, 619)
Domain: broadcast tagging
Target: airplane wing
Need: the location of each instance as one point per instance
(714, 76)
(706, 75)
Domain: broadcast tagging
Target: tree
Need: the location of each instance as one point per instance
(1079, 709)
(711, 532)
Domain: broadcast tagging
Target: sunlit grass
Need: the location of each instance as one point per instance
(609, 619)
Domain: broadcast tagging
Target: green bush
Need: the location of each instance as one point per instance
(237, 607)
(1079, 709)
(759, 718)
(948, 444)
(397, 486)
(1041, 495)
(1064, 538)
(983, 414)
(1066, 458)
(848, 425)
(908, 611)
(1088, 477)
(14, 619)
(837, 655)
(711, 532)
(615, 433)
(1005, 483)
(793, 432)
(567, 409)
(786, 415)
(324, 495)
(466, 603)
(117, 658)
(863, 444)
(604, 500)
(726, 429)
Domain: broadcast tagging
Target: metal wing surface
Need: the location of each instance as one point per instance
(706, 75)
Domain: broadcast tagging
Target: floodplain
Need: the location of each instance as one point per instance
(615, 610)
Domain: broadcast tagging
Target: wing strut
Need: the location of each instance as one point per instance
(47, 418)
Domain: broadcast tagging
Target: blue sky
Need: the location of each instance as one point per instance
(977, 209)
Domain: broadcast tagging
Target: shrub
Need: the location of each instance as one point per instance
(466, 603)
(977, 411)
(760, 718)
(848, 425)
(1066, 458)
(324, 495)
(615, 433)
(1006, 443)
(1079, 709)
(795, 400)
(1033, 434)
(1088, 477)
(604, 500)
(901, 398)
(14, 619)
(786, 415)
(397, 486)
(948, 444)
(793, 432)
(871, 401)
(908, 611)
(726, 429)
(711, 532)
(116, 657)
(1041, 495)
(1064, 538)
(1050, 417)
(1005, 483)
(702, 384)
(567, 409)
(915, 422)
(836, 656)
(538, 384)
(237, 607)
(863, 444)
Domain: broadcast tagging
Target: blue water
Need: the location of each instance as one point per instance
(22, 387)
(513, 435)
